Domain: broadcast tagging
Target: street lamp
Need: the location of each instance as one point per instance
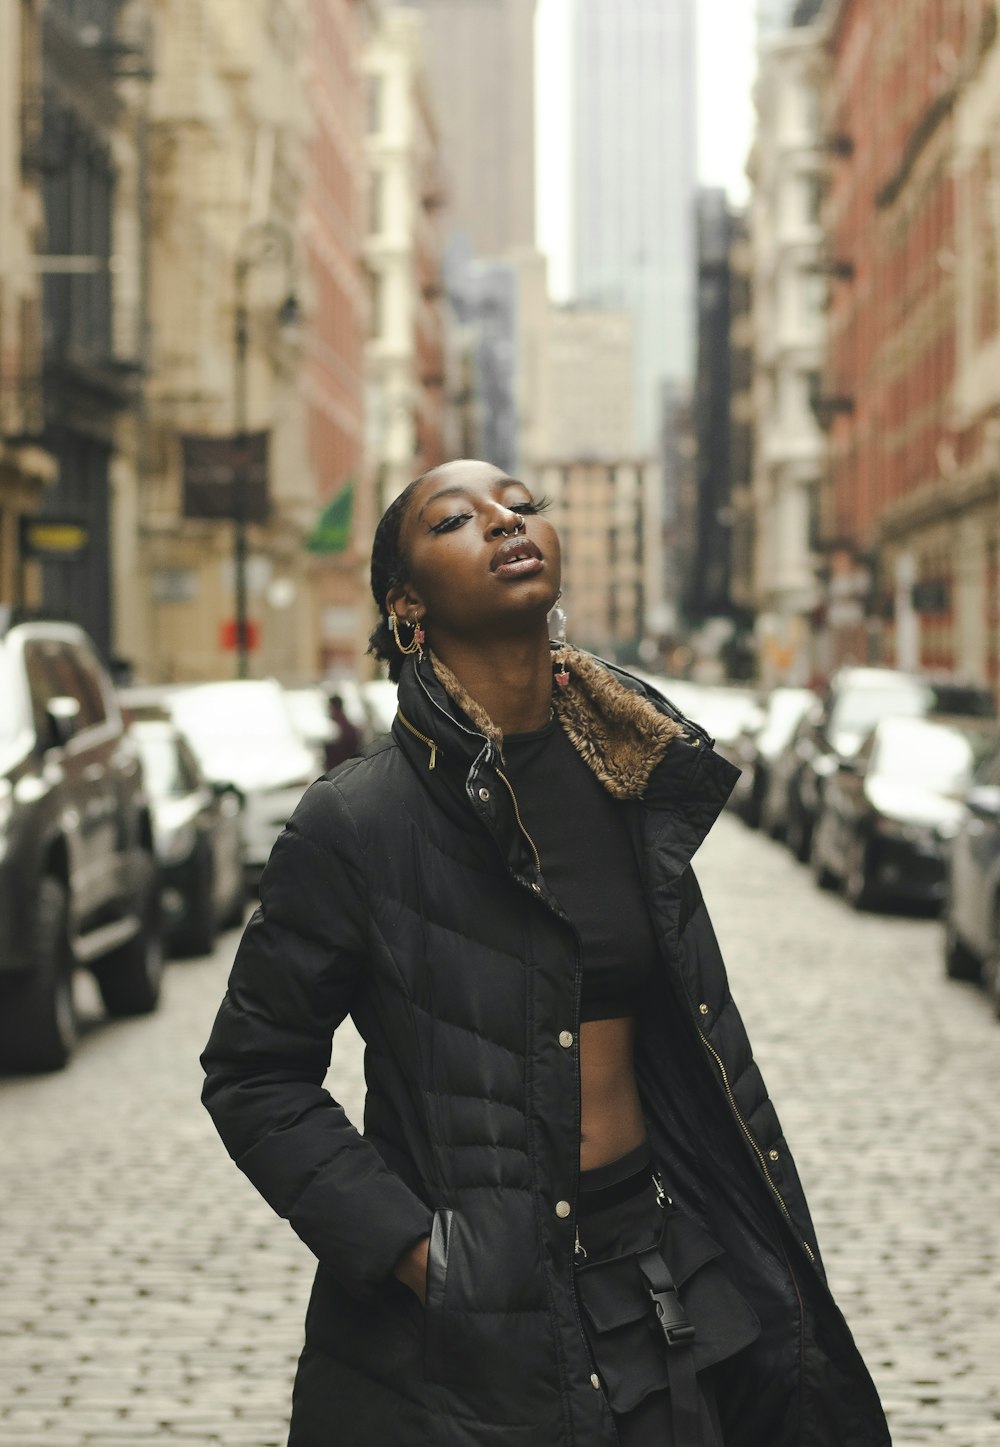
(260, 243)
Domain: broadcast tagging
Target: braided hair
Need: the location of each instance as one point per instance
(389, 570)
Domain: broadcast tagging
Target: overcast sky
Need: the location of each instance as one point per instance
(726, 38)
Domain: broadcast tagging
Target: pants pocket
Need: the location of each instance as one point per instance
(724, 1322)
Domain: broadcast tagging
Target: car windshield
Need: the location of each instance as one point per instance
(162, 766)
(859, 710)
(930, 755)
(235, 716)
(785, 709)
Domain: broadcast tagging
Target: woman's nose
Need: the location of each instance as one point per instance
(504, 522)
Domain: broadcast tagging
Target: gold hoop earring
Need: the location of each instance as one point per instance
(416, 643)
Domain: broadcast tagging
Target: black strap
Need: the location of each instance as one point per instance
(690, 1427)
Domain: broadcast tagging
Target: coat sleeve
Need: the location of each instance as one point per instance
(301, 959)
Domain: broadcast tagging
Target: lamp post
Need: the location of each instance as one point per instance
(260, 243)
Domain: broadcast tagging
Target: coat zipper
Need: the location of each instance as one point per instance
(435, 748)
(520, 822)
(749, 1135)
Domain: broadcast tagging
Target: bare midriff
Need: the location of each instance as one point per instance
(611, 1121)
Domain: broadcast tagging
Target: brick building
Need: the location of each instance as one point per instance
(908, 518)
(333, 375)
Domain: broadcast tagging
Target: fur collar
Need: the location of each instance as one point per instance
(618, 732)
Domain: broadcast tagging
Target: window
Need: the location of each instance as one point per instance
(376, 203)
(376, 104)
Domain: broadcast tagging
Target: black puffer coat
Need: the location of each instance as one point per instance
(405, 892)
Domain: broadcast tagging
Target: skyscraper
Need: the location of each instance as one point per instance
(634, 148)
(481, 58)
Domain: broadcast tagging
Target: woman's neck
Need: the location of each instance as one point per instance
(510, 678)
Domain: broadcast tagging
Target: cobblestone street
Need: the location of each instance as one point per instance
(148, 1295)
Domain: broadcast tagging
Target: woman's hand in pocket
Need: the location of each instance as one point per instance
(411, 1269)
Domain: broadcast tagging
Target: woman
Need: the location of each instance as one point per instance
(572, 1218)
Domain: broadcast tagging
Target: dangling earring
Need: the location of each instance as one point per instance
(557, 632)
(416, 643)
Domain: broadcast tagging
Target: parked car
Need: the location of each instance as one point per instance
(199, 845)
(379, 695)
(760, 742)
(243, 735)
(891, 810)
(784, 769)
(972, 894)
(856, 701)
(310, 713)
(78, 876)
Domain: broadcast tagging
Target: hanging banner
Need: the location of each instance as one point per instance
(226, 477)
(332, 533)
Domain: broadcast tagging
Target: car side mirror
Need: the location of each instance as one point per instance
(63, 713)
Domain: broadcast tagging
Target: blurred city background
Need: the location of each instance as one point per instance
(719, 277)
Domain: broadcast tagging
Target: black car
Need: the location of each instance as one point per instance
(197, 832)
(759, 745)
(857, 699)
(78, 876)
(972, 897)
(891, 810)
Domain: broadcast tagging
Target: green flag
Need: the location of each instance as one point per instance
(332, 532)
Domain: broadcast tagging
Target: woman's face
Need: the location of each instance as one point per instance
(466, 578)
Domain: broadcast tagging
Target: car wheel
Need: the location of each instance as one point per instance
(959, 962)
(857, 878)
(821, 873)
(798, 835)
(197, 936)
(129, 978)
(38, 1025)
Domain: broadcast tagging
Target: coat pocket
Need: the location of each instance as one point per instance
(435, 1343)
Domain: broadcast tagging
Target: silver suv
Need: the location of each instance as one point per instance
(78, 879)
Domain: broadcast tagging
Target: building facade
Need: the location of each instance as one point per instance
(406, 361)
(909, 509)
(633, 173)
(227, 181)
(88, 111)
(480, 57)
(27, 467)
(790, 288)
(334, 225)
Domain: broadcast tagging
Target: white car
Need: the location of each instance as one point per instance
(243, 733)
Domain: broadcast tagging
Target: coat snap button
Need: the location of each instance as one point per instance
(565, 1038)
(484, 794)
(537, 888)
(563, 1209)
(703, 1009)
(595, 1381)
(773, 1155)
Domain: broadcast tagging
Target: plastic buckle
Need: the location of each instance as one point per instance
(670, 1314)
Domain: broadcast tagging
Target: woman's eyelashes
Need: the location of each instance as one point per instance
(455, 520)
(448, 524)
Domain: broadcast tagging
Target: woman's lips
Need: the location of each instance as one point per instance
(517, 558)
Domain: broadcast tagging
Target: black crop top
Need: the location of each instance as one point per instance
(589, 863)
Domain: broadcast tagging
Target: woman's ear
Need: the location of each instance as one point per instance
(405, 603)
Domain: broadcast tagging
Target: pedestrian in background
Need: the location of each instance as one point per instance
(572, 1217)
(346, 740)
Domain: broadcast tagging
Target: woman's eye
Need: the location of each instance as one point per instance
(449, 524)
(535, 506)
